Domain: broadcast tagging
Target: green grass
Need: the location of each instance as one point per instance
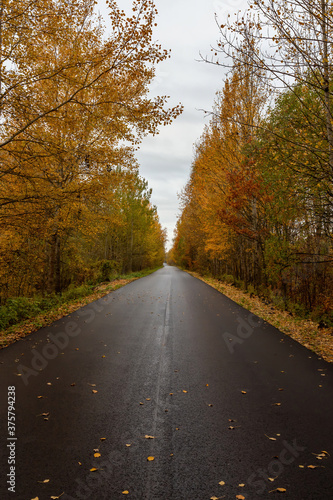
(20, 309)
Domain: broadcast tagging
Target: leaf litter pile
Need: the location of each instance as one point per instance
(306, 332)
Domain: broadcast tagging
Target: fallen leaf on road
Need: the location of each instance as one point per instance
(96, 455)
(243, 392)
(313, 466)
(72, 385)
(76, 348)
(280, 490)
(271, 479)
(102, 439)
(40, 397)
(207, 385)
(150, 459)
(240, 497)
(141, 403)
(281, 389)
(301, 466)
(210, 405)
(92, 385)
(93, 391)
(221, 483)
(103, 356)
(276, 404)
(36, 498)
(55, 498)
(148, 399)
(184, 390)
(241, 485)
(149, 437)
(44, 414)
(170, 393)
(126, 492)
(271, 438)
(128, 444)
(45, 481)
(48, 383)
(79, 463)
(93, 469)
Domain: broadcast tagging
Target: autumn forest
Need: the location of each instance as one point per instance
(74, 108)
(257, 209)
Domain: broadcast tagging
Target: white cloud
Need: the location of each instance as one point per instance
(188, 27)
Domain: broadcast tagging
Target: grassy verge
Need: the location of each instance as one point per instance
(304, 331)
(28, 315)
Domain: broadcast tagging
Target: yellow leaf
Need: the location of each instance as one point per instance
(92, 385)
(312, 466)
(102, 439)
(271, 438)
(55, 498)
(210, 405)
(241, 485)
(128, 444)
(221, 483)
(45, 481)
(149, 437)
(150, 459)
(103, 356)
(126, 492)
(93, 469)
(93, 391)
(301, 466)
(280, 490)
(184, 390)
(240, 497)
(243, 392)
(148, 399)
(96, 455)
(276, 404)
(36, 498)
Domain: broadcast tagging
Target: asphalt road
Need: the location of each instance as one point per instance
(226, 397)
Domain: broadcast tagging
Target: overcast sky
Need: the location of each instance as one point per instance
(187, 27)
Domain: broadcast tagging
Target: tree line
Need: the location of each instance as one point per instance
(74, 107)
(257, 210)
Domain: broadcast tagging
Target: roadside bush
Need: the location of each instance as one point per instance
(18, 309)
